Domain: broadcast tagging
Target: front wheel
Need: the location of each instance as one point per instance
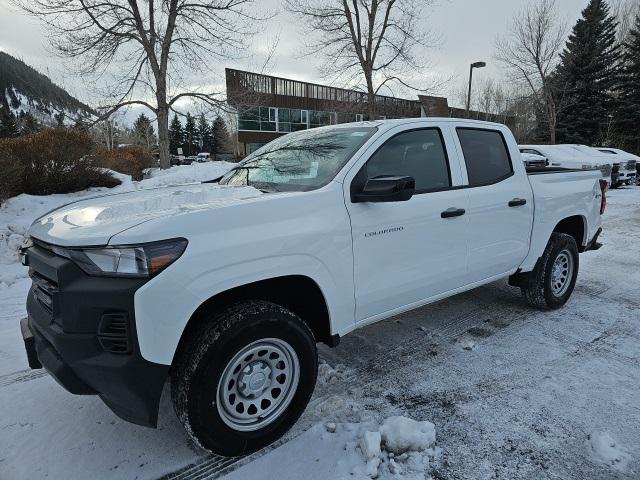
(244, 378)
(552, 281)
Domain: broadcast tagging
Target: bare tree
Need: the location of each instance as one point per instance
(625, 12)
(370, 40)
(530, 52)
(147, 46)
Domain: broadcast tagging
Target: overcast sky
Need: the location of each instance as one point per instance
(466, 30)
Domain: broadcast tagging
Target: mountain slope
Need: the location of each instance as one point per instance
(22, 88)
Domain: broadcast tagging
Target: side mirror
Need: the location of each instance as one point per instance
(386, 188)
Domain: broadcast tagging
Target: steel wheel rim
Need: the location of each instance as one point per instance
(258, 384)
(561, 273)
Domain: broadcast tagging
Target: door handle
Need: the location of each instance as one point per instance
(517, 202)
(452, 212)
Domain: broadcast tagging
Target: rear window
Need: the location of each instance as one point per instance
(486, 156)
(530, 151)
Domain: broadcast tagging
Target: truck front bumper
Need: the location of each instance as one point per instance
(81, 329)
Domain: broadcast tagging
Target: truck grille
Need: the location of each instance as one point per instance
(631, 165)
(44, 291)
(113, 332)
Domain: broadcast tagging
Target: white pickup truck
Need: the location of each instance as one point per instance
(574, 156)
(225, 287)
(626, 165)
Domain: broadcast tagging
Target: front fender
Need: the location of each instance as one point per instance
(164, 305)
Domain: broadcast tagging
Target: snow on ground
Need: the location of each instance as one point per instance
(399, 447)
(17, 214)
(499, 390)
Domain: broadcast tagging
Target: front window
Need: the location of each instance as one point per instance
(300, 161)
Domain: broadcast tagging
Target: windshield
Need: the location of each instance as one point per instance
(299, 161)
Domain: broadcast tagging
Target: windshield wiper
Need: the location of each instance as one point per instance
(214, 180)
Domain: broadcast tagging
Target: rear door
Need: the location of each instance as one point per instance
(500, 202)
(405, 252)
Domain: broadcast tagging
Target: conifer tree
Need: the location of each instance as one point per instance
(176, 135)
(204, 134)
(8, 124)
(628, 115)
(143, 133)
(220, 136)
(29, 124)
(190, 135)
(587, 77)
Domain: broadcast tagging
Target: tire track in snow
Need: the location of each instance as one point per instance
(21, 377)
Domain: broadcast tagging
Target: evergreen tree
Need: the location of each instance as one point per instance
(176, 135)
(29, 124)
(8, 124)
(80, 123)
(59, 118)
(220, 136)
(142, 132)
(205, 141)
(190, 135)
(628, 117)
(587, 77)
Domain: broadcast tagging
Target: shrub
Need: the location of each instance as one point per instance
(131, 160)
(57, 161)
(11, 173)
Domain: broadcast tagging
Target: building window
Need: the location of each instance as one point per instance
(249, 118)
(284, 120)
(299, 119)
(318, 119)
(268, 119)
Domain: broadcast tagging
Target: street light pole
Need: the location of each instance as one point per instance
(473, 65)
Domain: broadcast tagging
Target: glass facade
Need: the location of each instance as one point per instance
(271, 119)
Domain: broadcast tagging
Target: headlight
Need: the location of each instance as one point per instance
(144, 260)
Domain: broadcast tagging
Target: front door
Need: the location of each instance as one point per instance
(405, 252)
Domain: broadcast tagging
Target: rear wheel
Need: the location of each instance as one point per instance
(551, 283)
(244, 377)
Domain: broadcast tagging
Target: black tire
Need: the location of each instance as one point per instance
(204, 357)
(537, 286)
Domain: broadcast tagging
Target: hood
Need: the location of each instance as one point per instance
(94, 221)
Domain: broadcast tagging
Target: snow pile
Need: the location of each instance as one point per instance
(352, 450)
(18, 213)
(604, 449)
(370, 444)
(328, 374)
(400, 445)
(402, 434)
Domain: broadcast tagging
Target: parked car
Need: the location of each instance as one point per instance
(605, 161)
(225, 288)
(203, 157)
(628, 165)
(568, 156)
